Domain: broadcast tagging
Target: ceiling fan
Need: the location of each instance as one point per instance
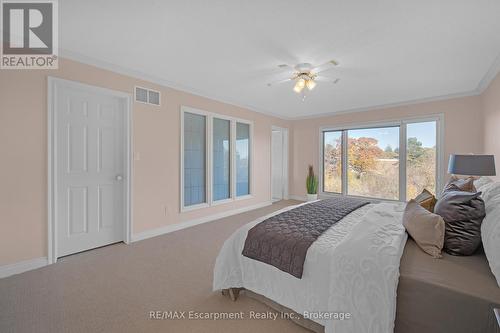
(305, 75)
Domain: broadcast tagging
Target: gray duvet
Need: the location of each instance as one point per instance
(283, 240)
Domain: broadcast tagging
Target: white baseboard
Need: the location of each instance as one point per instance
(298, 197)
(27, 265)
(187, 224)
(22, 266)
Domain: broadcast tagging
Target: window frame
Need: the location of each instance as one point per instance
(402, 124)
(209, 117)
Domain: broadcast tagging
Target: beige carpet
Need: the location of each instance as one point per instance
(113, 289)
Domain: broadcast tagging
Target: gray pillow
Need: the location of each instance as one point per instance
(463, 213)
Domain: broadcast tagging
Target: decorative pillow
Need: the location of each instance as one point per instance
(426, 228)
(489, 191)
(478, 183)
(463, 213)
(460, 184)
(490, 235)
(427, 200)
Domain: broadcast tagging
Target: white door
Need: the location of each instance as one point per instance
(90, 144)
(279, 163)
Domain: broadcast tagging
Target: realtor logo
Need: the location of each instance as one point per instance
(29, 34)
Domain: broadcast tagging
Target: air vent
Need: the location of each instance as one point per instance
(147, 96)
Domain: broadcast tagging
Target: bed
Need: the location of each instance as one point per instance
(352, 268)
(364, 267)
(452, 294)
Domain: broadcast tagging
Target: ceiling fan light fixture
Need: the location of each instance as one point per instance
(305, 75)
(298, 87)
(310, 84)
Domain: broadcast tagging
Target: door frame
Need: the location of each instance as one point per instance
(52, 158)
(285, 161)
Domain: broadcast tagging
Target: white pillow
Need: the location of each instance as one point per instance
(490, 235)
(489, 191)
(481, 182)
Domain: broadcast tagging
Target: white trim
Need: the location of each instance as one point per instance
(402, 124)
(22, 266)
(52, 157)
(489, 76)
(297, 197)
(243, 197)
(209, 117)
(388, 105)
(402, 156)
(129, 193)
(187, 224)
(286, 159)
(345, 161)
(440, 157)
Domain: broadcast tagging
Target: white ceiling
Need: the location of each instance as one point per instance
(390, 52)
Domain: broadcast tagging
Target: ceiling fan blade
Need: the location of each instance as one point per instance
(285, 66)
(327, 79)
(278, 82)
(326, 66)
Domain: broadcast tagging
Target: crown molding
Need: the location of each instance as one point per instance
(489, 76)
(63, 53)
(481, 87)
(391, 105)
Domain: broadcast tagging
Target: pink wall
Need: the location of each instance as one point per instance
(23, 147)
(463, 131)
(491, 107)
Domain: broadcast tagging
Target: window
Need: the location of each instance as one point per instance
(216, 158)
(394, 162)
(194, 159)
(221, 159)
(242, 159)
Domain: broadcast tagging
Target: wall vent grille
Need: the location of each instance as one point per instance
(147, 96)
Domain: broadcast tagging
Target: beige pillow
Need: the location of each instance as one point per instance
(426, 228)
(460, 184)
(427, 200)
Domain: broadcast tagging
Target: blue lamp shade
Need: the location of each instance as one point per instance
(472, 165)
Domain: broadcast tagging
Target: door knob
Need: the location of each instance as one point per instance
(119, 177)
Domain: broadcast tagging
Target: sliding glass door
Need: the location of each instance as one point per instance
(373, 162)
(332, 160)
(421, 151)
(393, 162)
